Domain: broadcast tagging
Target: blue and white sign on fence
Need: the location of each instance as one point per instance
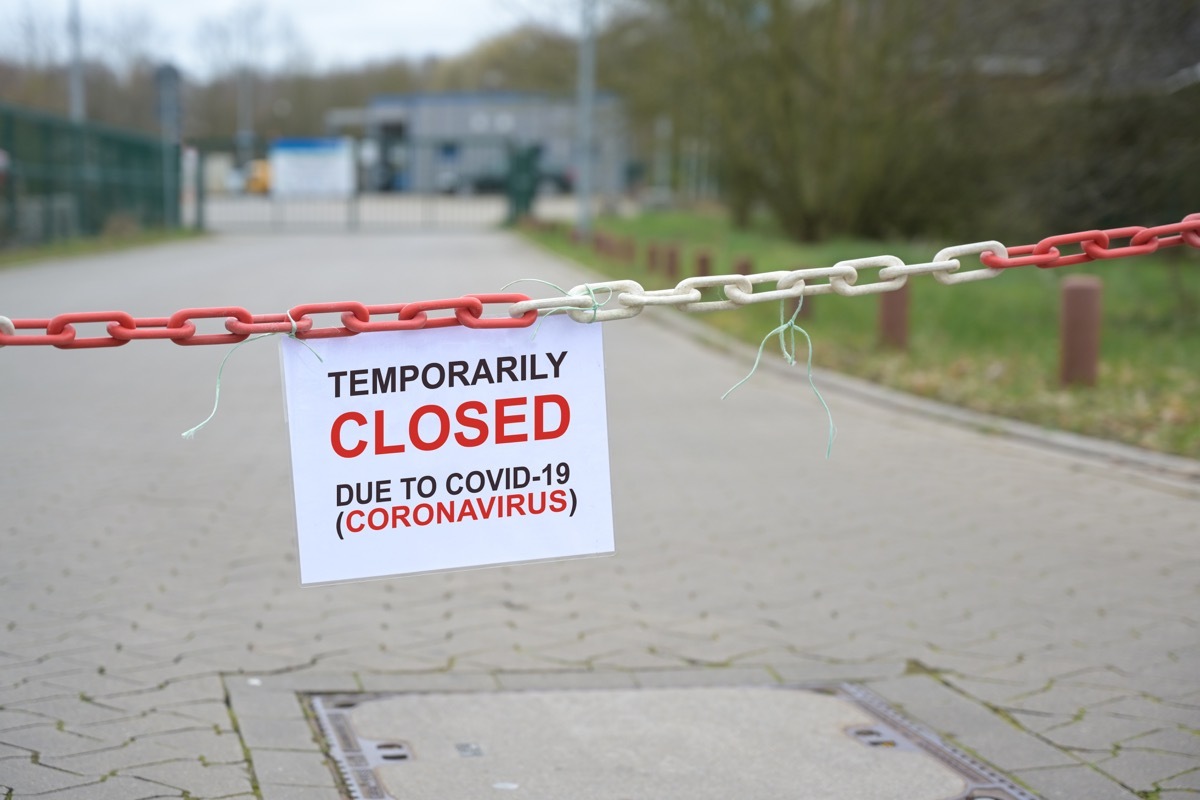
(313, 168)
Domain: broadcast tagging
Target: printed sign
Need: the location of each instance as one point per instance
(312, 168)
(415, 451)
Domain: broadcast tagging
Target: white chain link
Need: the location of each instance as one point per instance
(845, 285)
(679, 296)
(617, 289)
(586, 302)
(952, 254)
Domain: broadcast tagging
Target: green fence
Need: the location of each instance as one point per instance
(60, 180)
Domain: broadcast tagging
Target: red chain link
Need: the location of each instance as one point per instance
(356, 310)
(62, 324)
(473, 320)
(181, 321)
(1096, 245)
(417, 310)
(180, 327)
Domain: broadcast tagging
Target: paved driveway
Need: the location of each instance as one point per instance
(1040, 609)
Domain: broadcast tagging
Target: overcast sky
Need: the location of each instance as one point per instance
(333, 31)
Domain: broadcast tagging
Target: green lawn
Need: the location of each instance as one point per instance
(991, 346)
(91, 245)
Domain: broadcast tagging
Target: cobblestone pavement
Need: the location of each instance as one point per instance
(1041, 610)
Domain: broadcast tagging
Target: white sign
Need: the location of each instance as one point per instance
(312, 168)
(415, 451)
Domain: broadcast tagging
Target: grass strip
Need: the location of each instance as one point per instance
(91, 245)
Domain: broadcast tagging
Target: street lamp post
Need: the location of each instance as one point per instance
(76, 96)
(586, 103)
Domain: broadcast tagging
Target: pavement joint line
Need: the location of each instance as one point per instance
(1004, 714)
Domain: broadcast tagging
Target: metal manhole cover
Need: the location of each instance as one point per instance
(838, 742)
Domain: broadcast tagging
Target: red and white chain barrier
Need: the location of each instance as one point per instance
(587, 302)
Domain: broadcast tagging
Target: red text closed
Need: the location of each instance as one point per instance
(473, 423)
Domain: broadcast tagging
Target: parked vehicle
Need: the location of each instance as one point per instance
(258, 177)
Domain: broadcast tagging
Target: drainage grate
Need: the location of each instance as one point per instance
(357, 758)
(368, 764)
(895, 730)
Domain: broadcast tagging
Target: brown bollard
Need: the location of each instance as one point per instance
(1080, 330)
(893, 318)
(703, 264)
(672, 263)
(652, 257)
(629, 251)
(744, 265)
(576, 236)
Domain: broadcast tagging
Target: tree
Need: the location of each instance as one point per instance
(530, 57)
(830, 112)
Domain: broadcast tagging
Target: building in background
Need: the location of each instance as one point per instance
(459, 142)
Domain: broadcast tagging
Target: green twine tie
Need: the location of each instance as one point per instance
(596, 305)
(191, 432)
(787, 343)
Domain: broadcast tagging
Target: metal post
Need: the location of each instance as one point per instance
(8, 181)
(52, 190)
(661, 192)
(201, 190)
(84, 218)
(352, 200)
(1080, 330)
(689, 177)
(170, 117)
(427, 194)
(167, 182)
(244, 140)
(586, 103)
(78, 114)
(75, 86)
